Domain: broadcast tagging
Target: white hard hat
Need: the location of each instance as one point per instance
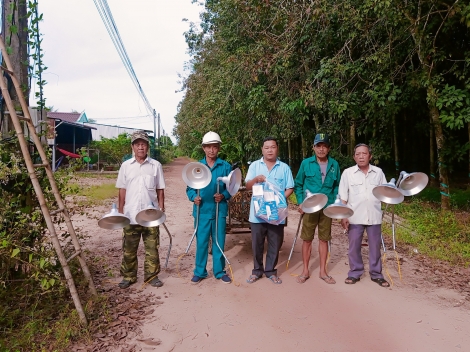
(211, 137)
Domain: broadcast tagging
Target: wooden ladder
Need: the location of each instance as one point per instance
(26, 117)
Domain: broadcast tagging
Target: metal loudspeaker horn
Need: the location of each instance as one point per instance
(197, 175)
(232, 182)
(150, 216)
(411, 184)
(313, 202)
(114, 220)
(388, 193)
(338, 210)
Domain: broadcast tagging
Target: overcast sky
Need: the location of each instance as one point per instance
(85, 72)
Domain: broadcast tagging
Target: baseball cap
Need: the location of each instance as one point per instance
(139, 135)
(321, 138)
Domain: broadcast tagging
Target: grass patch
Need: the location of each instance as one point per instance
(98, 194)
(443, 235)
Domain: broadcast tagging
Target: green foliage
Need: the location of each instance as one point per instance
(113, 150)
(443, 235)
(349, 68)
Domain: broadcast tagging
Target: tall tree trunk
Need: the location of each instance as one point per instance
(15, 34)
(395, 146)
(289, 152)
(468, 125)
(304, 146)
(432, 154)
(440, 143)
(352, 137)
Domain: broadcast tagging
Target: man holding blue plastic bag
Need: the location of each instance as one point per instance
(272, 183)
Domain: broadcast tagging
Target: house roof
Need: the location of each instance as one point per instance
(64, 116)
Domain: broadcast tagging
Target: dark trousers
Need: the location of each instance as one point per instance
(275, 236)
(356, 265)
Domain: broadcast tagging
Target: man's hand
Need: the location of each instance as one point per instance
(197, 200)
(260, 179)
(345, 224)
(299, 209)
(218, 197)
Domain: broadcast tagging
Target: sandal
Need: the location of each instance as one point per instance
(301, 279)
(253, 278)
(381, 282)
(351, 280)
(328, 279)
(275, 279)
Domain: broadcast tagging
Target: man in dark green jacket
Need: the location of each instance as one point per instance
(319, 174)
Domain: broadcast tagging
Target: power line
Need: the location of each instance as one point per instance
(110, 24)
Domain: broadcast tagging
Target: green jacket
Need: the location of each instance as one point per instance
(309, 177)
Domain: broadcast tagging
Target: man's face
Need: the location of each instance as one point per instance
(211, 150)
(140, 148)
(362, 156)
(321, 150)
(269, 150)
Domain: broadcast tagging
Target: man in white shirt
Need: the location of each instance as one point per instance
(355, 189)
(140, 182)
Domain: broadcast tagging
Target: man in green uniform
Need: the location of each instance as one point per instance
(319, 174)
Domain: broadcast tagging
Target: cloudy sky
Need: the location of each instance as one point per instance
(85, 72)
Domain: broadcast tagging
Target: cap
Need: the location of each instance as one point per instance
(211, 137)
(139, 135)
(321, 138)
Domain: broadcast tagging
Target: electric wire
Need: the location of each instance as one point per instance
(111, 27)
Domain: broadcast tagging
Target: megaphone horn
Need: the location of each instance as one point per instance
(232, 182)
(150, 216)
(411, 184)
(313, 202)
(388, 193)
(196, 175)
(338, 210)
(114, 220)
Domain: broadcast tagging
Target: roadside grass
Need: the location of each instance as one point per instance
(98, 194)
(443, 235)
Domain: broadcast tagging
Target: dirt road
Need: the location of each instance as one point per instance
(414, 315)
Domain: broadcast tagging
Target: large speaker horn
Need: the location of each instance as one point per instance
(150, 216)
(232, 182)
(114, 220)
(197, 175)
(338, 210)
(388, 193)
(313, 202)
(413, 183)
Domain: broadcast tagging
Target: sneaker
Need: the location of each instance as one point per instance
(196, 279)
(226, 279)
(155, 282)
(125, 284)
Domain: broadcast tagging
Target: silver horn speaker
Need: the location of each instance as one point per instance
(196, 175)
(232, 182)
(411, 184)
(313, 202)
(338, 210)
(150, 216)
(388, 193)
(114, 220)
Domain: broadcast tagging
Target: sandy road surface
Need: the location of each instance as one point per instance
(413, 315)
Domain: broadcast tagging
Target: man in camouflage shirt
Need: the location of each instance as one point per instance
(140, 182)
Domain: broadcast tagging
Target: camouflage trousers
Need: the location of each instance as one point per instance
(130, 244)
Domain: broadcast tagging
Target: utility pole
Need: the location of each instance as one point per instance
(154, 134)
(158, 141)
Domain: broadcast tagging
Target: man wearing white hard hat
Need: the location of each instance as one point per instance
(207, 202)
